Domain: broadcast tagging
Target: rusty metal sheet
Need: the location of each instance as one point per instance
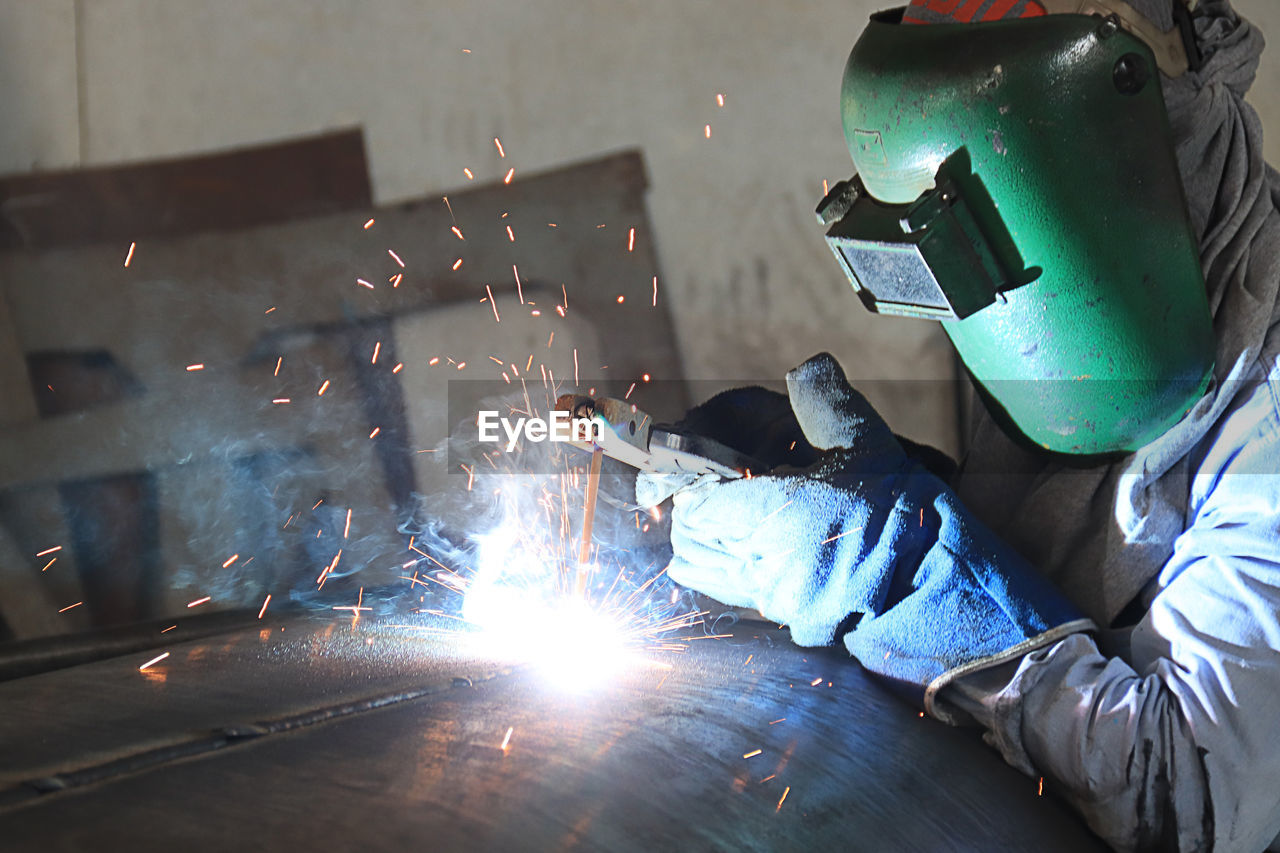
(162, 199)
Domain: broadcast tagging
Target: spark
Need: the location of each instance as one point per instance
(230, 560)
(510, 173)
(280, 401)
(364, 283)
(396, 279)
(69, 606)
(825, 189)
(816, 681)
(631, 239)
(506, 741)
(767, 778)
(191, 368)
(355, 608)
(395, 258)
(644, 377)
(153, 661)
(457, 232)
(377, 348)
(783, 799)
(368, 225)
(707, 131)
(575, 365)
(457, 264)
(621, 299)
(510, 236)
(461, 364)
(346, 531)
(655, 291)
(50, 563)
(498, 143)
(323, 387)
(279, 361)
(779, 720)
(317, 504)
(748, 660)
(753, 753)
(467, 172)
(627, 396)
(399, 367)
(719, 99)
(267, 600)
(375, 432)
(200, 601)
(48, 551)
(167, 630)
(519, 286)
(1040, 788)
(129, 257)
(269, 310)
(840, 535)
(434, 361)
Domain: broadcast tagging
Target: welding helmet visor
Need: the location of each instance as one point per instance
(1016, 180)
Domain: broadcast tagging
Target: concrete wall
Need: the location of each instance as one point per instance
(751, 284)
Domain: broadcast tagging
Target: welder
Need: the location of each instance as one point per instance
(1076, 190)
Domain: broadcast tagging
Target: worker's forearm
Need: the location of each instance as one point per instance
(1114, 744)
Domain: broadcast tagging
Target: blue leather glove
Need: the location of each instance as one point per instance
(865, 544)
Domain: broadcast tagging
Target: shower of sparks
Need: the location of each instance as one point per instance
(155, 660)
(128, 258)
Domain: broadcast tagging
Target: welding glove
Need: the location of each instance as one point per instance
(867, 545)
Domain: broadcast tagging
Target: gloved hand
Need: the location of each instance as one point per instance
(867, 544)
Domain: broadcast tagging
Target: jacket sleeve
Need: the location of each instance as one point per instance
(1176, 746)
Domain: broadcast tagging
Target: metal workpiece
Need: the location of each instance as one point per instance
(341, 735)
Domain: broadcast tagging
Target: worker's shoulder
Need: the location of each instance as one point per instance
(1246, 439)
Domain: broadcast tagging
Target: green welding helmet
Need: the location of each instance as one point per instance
(1016, 180)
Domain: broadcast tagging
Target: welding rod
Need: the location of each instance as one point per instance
(588, 521)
